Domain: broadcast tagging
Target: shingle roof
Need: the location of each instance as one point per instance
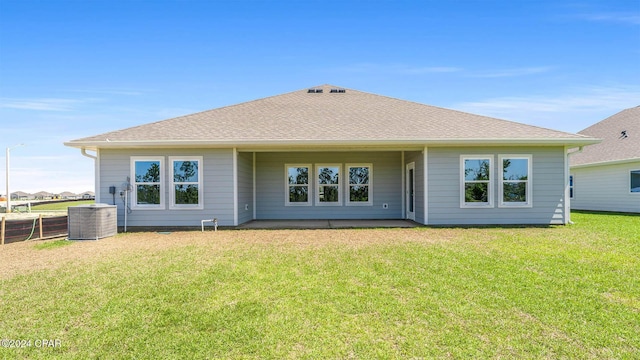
(615, 145)
(327, 117)
(20, 193)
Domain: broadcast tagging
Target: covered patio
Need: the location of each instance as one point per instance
(327, 224)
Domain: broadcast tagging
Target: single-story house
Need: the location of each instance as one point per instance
(68, 195)
(332, 153)
(43, 195)
(87, 195)
(21, 195)
(606, 176)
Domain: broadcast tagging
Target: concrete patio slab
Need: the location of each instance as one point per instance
(327, 224)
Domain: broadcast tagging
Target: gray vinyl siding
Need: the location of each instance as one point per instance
(387, 185)
(417, 157)
(217, 185)
(443, 186)
(605, 188)
(245, 187)
(547, 180)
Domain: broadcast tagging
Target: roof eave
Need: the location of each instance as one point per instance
(609, 162)
(94, 145)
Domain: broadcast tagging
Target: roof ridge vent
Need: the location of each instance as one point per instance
(314, 91)
(337, 91)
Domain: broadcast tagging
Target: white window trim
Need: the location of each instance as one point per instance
(134, 188)
(286, 185)
(200, 183)
(347, 192)
(629, 187)
(318, 185)
(501, 181)
(489, 203)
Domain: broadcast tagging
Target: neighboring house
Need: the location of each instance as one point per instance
(606, 176)
(333, 153)
(67, 195)
(88, 195)
(21, 195)
(43, 195)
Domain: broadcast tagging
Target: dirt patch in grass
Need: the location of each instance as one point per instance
(24, 257)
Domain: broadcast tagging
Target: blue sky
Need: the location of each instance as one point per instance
(70, 69)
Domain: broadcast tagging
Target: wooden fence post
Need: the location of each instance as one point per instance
(40, 223)
(2, 231)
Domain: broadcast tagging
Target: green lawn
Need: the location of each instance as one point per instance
(539, 292)
(63, 205)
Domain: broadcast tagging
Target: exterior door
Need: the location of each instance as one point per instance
(411, 191)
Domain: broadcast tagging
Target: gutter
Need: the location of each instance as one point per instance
(83, 151)
(610, 162)
(580, 149)
(290, 143)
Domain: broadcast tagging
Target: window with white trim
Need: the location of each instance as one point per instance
(476, 181)
(297, 187)
(147, 182)
(514, 189)
(634, 181)
(328, 184)
(186, 183)
(360, 190)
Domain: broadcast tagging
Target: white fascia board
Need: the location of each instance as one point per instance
(602, 163)
(271, 144)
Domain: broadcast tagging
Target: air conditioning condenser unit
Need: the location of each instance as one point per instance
(92, 222)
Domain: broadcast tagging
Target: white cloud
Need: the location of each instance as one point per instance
(49, 173)
(34, 180)
(513, 72)
(41, 104)
(400, 69)
(107, 91)
(403, 69)
(618, 17)
(572, 111)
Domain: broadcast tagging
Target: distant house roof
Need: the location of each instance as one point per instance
(20, 193)
(620, 134)
(327, 115)
(43, 193)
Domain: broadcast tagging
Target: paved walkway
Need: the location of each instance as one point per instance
(326, 224)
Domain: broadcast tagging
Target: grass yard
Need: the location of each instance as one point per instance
(63, 205)
(555, 292)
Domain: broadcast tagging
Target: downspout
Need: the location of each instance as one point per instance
(235, 186)
(84, 153)
(566, 192)
(96, 183)
(425, 185)
(402, 180)
(255, 211)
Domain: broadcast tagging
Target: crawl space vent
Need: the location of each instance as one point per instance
(92, 222)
